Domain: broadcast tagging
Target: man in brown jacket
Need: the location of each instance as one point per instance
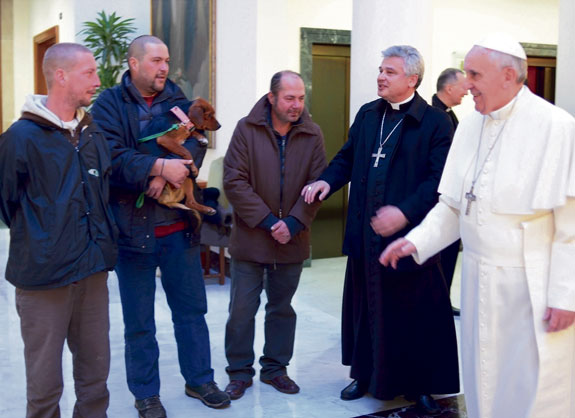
(274, 152)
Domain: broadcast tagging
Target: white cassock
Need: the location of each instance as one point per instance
(518, 256)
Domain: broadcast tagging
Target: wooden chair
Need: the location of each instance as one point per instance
(217, 235)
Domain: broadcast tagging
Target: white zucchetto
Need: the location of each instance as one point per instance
(503, 42)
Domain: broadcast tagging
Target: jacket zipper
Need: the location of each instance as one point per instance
(84, 191)
(282, 173)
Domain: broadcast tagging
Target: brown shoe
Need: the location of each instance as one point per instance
(236, 388)
(283, 383)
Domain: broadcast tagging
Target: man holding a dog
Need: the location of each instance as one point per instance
(398, 334)
(152, 235)
(54, 186)
(273, 153)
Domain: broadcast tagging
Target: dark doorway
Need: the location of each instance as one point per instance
(541, 69)
(541, 76)
(330, 110)
(42, 42)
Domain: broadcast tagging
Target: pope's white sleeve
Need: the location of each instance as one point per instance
(561, 290)
(439, 229)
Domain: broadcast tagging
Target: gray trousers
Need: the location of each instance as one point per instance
(78, 314)
(280, 284)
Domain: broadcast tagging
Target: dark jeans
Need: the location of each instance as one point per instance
(280, 320)
(179, 263)
(76, 314)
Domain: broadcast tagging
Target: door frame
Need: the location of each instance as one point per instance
(310, 36)
(49, 35)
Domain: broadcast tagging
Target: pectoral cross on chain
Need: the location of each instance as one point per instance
(470, 198)
(378, 156)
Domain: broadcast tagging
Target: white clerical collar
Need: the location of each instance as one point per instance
(395, 106)
(505, 111)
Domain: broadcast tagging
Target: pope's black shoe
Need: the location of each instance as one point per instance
(354, 390)
(427, 405)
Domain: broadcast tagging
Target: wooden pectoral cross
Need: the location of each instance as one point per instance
(470, 198)
(378, 156)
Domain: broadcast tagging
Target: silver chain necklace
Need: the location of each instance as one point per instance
(382, 143)
(470, 196)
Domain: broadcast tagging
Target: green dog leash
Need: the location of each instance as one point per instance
(140, 200)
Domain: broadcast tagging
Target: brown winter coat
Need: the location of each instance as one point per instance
(252, 171)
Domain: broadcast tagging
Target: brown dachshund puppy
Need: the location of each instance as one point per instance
(201, 114)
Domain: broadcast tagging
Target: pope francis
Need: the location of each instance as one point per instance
(508, 190)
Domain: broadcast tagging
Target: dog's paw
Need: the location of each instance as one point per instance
(202, 140)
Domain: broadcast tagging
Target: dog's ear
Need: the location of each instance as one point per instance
(196, 115)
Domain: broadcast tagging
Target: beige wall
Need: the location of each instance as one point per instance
(7, 62)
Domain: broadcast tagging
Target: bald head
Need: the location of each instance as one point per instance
(60, 56)
(276, 83)
(137, 48)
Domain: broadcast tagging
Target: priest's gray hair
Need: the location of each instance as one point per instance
(506, 60)
(412, 60)
(62, 55)
(447, 76)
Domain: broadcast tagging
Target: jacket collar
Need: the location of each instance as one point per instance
(416, 109)
(131, 94)
(39, 120)
(436, 102)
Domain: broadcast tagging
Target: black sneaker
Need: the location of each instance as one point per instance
(150, 407)
(209, 394)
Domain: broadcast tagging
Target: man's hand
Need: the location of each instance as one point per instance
(310, 191)
(397, 249)
(280, 232)
(558, 319)
(156, 186)
(175, 171)
(388, 220)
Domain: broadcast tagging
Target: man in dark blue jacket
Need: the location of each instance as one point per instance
(54, 183)
(398, 334)
(152, 235)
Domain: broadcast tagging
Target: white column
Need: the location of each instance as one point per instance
(565, 84)
(236, 69)
(378, 24)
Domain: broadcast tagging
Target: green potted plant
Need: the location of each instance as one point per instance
(108, 38)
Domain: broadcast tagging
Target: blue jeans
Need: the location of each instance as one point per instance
(182, 279)
(280, 320)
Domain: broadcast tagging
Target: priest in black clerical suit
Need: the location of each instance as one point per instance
(435, 102)
(398, 334)
(451, 88)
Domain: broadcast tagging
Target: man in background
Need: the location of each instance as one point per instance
(451, 88)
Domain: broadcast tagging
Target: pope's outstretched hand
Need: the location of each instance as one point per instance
(397, 249)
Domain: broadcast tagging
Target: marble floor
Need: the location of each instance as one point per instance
(315, 367)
